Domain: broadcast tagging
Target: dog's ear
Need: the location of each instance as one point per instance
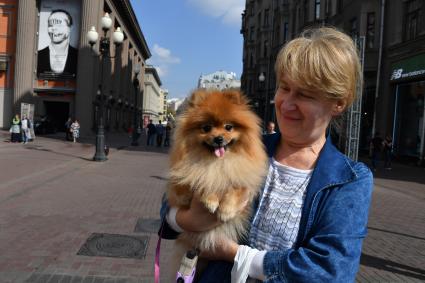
(235, 96)
(197, 97)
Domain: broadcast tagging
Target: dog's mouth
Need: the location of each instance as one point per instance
(219, 150)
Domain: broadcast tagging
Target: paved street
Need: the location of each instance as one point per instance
(53, 198)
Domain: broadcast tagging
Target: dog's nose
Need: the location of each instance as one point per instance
(218, 140)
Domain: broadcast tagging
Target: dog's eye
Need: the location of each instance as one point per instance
(206, 128)
(228, 127)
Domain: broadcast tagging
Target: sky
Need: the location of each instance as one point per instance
(188, 38)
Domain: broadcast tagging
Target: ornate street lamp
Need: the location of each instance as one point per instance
(92, 37)
(136, 124)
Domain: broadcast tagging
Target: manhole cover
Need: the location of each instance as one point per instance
(147, 225)
(113, 245)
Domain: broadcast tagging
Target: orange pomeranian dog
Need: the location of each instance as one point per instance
(218, 154)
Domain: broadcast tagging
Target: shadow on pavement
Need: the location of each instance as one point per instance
(399, 171)
(391, 266)
(54, 152)
(396, 233)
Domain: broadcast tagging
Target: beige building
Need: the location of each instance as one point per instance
(58, 71)
(152, 96)
(163, 116)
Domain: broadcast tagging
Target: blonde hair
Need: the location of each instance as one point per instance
(324, 60)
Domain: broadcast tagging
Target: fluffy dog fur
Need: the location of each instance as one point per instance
(217, 153)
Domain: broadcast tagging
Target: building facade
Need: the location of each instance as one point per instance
(8, 18)
(219, 80)
(392, 35)
(62, 75)
(152, 97)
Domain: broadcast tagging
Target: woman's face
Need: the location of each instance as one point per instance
(302, 115)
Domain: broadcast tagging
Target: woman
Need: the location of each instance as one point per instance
(15, 129)
(310, 226)
(75, 130)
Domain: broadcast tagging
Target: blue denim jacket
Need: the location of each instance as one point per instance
(332, 228)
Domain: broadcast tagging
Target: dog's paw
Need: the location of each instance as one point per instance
(226, 213)
(211, 202)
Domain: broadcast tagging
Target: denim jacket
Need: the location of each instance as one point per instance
(332, 228)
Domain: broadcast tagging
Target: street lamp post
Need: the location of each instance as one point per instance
(92, 37)
(136, 124)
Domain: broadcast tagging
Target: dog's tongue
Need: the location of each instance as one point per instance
(219, 152)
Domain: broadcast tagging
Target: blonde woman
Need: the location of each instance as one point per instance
(310, 219)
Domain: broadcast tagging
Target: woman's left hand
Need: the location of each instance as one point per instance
(225, 249)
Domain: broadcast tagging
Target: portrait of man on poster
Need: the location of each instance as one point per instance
(59, 57)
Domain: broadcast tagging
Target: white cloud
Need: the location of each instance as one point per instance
(162, 59)
(229, 11)
(164, 54)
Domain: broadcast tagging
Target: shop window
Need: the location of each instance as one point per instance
(409, 118)
(370, 32)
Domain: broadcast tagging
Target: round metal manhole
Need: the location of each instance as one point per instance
(113, 245)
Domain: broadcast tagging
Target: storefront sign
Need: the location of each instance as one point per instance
(59, 26)
(408, 68)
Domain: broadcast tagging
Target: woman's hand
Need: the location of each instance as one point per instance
(196, 218)
(224, 250)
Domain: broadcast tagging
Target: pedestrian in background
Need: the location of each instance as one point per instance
(167, 135)
(270, 129)
(376, 149)
(25, 129)
(68, 129)
(159, 133)
(151, 133)
(388, 147)
(75, 130)
(15, 129)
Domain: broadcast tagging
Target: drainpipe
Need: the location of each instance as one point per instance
(378, 73)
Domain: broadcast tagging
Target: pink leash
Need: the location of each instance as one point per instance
(158, 249)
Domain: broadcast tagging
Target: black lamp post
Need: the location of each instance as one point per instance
(92, 37)
(136, 124)
(261, 79)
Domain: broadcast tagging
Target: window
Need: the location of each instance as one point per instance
(259, 18)
(317, 9)
(266, 17)
(285, 31)
(412, 11)
(353, 28)
(370, 32)
(339, 5)
(306, 11)
(251, 33)
(265, 48)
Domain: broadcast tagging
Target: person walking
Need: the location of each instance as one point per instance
(15, 129)
(159, 133)
(25, 129)
(310, 219)
(151, 133)
(75, 129)
(68, 134)
(388, 147)
(167, 135)
(376, 149)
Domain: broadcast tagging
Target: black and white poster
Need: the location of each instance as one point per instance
(59, 26)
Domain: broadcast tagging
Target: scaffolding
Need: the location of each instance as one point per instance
(354, 113)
